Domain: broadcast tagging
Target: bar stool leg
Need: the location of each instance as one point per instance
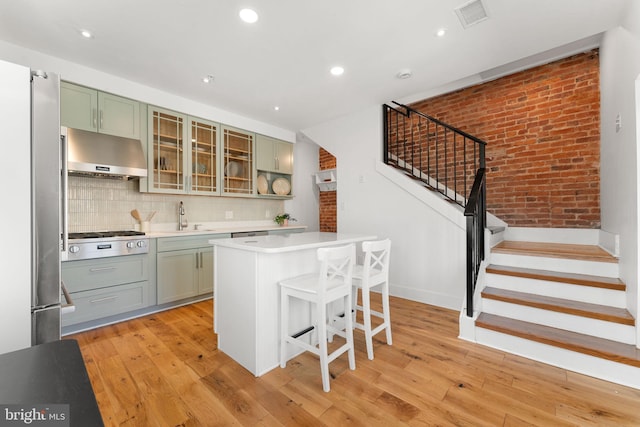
(386, 312)
(323, 349)
(351, 353)
(366, 313)
(284, 322)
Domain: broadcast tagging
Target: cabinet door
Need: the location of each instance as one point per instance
(283, 157)
(78, 107)
(205, 142)
(167, 135)
(118, 116)
(176, 276)
(265, 157)
(273, 155)
(238, 147)
(205, 271)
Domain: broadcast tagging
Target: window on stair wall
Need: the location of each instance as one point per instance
(542, 128)
(327, 201)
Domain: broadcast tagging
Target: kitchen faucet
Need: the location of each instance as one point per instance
(182, 221)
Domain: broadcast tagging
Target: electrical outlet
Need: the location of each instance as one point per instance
(228, 215)
(267, 214)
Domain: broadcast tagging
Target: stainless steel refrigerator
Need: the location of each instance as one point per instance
(48, 212)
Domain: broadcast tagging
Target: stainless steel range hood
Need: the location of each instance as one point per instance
(104, 156)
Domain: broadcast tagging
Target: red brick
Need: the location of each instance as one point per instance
(542, 128)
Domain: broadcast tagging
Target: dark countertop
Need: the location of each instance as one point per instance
(51, 373)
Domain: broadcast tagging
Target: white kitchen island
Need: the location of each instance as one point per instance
(247, 294)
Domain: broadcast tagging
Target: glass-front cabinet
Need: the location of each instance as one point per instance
(167, 140)
(204, 138)
(185, 152)
(238, 149)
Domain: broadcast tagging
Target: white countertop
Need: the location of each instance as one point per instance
(226, 229)
(291, 242)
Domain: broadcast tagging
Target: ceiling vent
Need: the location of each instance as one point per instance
(471, 13)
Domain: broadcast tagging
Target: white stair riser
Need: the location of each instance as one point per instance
(590, 294)
(594, 268)
(569, 322)
(573, 361)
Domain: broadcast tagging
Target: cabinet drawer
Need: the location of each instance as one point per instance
(99, 273)
(91, 305)
(166, 244)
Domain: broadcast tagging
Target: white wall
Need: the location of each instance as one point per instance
(304, 207)
(619, 69)
(15, 173)
(109, 83)
(428, 249)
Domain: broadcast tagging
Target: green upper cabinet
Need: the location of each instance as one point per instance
(88, 109)
(274, 155)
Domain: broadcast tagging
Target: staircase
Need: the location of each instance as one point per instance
(561, 304)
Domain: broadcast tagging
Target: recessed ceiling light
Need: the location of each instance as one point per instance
(248, 15)
(276, 108)
(441, 32)
(207, 79)
(86, 34)
(337, 71)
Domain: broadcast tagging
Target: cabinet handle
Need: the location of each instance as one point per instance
(94, 301)
(201, 264)
(197, 266)
(94, 118)
(99, 269)
(101, 120)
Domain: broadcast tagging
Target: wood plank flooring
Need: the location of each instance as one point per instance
(165, 370)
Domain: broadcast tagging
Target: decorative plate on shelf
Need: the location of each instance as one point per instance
(263, 185)
(281, 186)
(233, 169)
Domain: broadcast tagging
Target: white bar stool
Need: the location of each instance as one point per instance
(321, 289)
(373, 273)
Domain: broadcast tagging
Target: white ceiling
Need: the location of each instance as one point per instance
(284, 58)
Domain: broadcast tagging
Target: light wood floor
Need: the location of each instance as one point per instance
(165, 370)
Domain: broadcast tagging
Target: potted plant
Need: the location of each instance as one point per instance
(283, 219)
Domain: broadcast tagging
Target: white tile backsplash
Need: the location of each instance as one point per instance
(106, 204)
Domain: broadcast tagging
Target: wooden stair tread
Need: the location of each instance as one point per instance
(555, 250)
(576, 308)
(586, 344)
(554, 276)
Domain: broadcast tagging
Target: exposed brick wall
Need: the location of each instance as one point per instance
(328, 200)
(542, 128)
(326, 160)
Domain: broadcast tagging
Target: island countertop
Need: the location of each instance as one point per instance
(291, 242)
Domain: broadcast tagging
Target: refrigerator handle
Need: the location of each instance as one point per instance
(64, 188)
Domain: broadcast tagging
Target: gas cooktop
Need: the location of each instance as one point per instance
(103, 234)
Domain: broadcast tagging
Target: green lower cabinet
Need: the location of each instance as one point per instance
(177, 275)
(185, 267)
(106, 287)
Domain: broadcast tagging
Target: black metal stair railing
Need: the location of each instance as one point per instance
(447, 160)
